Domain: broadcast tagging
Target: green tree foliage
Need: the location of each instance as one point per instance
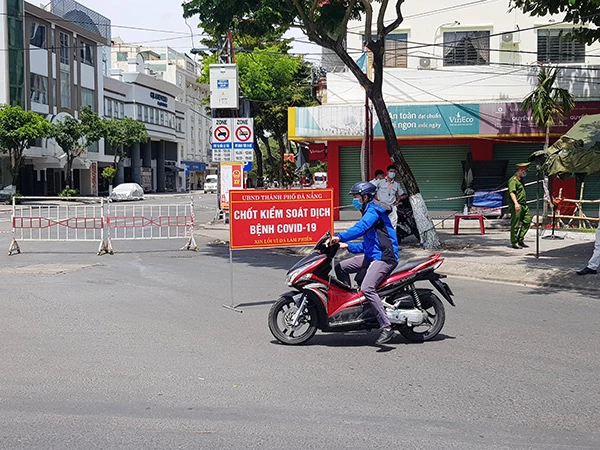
(578, 12)
(325, 22)
(18, 129)
(548, 103)
(74, 136)
(123, 133)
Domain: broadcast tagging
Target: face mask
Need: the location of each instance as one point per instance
(391, 174)
(524, 175)
(356, 203)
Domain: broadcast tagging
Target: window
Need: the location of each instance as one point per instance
(466, 48)
(87, 97)
(38, 89)
(38, 35)
(553, 46)
(139, 112)
(108, 107)
(145, 114)
(395, 50)
(65, 89)
(121, 110)
(121, 56)
(64, 41)
(162, 118)
(151, 119)
(86, 53)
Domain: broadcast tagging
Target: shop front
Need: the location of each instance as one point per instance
(435, 141)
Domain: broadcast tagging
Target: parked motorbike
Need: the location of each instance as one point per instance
(320, 301)
(406, 225)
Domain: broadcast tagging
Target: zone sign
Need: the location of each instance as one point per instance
(243, 136)
(221, 133)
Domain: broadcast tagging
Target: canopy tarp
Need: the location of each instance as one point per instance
(576, 152)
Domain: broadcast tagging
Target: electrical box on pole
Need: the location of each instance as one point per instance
(224, 86)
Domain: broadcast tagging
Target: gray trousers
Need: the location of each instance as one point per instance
(369, 274)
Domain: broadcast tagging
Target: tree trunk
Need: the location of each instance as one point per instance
(429, 237)
(259, 163)
(281, 161)
(69, 177)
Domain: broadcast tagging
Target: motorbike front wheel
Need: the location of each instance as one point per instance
(280, 322)
(436, 316)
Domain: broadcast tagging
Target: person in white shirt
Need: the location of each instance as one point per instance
(592, 266)
(390, 192)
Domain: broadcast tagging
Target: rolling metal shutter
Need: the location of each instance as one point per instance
(515, 154)
(349, 174)
(439, 173)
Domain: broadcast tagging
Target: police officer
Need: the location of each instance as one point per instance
(520, 217)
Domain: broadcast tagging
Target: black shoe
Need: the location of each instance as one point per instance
(385, 335)
(523, 244)
(516, 246)
(587, 271)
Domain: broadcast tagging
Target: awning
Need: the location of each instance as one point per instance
(576, 152)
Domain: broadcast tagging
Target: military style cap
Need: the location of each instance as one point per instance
(523, 165)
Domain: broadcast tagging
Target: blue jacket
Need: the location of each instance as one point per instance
(380, 242)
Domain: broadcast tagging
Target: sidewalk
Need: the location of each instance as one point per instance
(489, 257)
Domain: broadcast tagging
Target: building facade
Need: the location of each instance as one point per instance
(454, 79)
(177, 68)
(154, 165)
(54, 67)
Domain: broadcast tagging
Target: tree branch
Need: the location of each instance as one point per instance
(396, 23)
(344, 24)
(368, 20)
(311, 30)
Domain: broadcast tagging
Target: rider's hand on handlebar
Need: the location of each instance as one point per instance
(333, 240)
(343, 245)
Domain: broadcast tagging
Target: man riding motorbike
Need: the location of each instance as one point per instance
(379, 251)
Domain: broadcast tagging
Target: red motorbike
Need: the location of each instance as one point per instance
(321, 302)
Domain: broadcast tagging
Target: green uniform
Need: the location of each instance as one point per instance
(519, 220)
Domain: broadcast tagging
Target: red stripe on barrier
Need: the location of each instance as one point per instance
(73, 223)
(128, 222)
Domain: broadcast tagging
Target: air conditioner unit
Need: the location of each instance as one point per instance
(426, 63)
(511, 37)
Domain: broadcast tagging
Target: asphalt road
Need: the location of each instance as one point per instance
(135, 351)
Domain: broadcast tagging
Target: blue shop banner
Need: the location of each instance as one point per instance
(194, 166)
(433, 120)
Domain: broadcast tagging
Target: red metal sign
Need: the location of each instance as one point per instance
(243, 133)
(279, 218)
(221, 134)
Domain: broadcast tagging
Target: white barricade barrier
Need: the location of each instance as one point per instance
(56, 220)
(149, 222)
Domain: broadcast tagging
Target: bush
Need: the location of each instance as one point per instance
(69, 193)
(109, 173)
(17, 198)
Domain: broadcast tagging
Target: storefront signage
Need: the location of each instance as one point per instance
(161, 100)
(469, 119)
(193, 166)
(279, 218)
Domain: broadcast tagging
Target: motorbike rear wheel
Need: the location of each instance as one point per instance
(436, 316)
(280, 322)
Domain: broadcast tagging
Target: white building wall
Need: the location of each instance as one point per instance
(510, 75)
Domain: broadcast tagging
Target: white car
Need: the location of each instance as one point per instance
(210, 185)
(127, 191)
